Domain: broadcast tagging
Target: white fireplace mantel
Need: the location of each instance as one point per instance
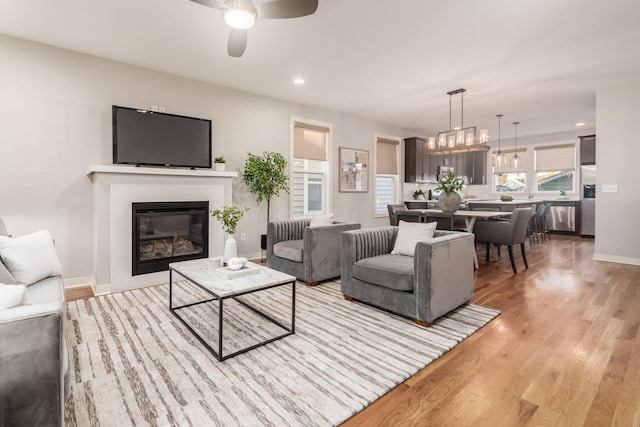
(115, 188)
(138, 170)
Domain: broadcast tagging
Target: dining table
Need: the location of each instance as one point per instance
(469, 217)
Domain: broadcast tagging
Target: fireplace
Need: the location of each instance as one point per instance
(164, 232)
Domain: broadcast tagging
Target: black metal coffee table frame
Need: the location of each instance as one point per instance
(218, 354)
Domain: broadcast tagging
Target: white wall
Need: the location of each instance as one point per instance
(617, 159)
(55, 120)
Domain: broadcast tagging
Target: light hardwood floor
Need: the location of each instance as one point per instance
(565, 350)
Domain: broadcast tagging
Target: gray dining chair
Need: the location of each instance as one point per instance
(510, 233)
(392, 209)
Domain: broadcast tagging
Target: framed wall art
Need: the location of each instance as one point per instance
(354, 170)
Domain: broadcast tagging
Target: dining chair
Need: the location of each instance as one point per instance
(510, 233)
(393, 209)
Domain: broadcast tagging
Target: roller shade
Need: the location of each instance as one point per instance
(386, 156)
(309, 142)
(555, 158)
(506, 168)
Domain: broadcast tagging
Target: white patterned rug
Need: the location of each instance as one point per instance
(134, 363)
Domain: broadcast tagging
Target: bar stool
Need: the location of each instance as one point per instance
(545, 223)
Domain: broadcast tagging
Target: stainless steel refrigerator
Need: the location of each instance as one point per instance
(588, 208)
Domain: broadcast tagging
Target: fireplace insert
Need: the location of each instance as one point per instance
(165, 232)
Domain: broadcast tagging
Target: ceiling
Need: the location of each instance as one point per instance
(540, 62)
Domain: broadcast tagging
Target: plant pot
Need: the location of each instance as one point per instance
(219, 166)
(230, 249)
(449, 202)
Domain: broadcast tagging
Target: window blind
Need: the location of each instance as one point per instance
(555, 158)
(386, 156)
(309, 142)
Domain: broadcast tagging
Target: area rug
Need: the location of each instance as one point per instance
(134, 363)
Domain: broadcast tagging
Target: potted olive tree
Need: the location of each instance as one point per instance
(229, 217)
(265, 175)
(449, 199)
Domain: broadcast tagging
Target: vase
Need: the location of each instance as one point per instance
(449, 202)
(219, 166)
(230, 249)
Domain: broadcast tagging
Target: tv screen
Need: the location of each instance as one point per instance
(142, 137)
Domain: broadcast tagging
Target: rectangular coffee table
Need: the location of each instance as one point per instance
(208, 274)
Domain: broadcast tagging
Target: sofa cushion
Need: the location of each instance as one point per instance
(391, 271)
(47, 290)
(31, 257)
(409, 234)
(12, 296)
(289, 249)
(318, 220)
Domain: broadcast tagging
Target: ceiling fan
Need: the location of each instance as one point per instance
(240, 15)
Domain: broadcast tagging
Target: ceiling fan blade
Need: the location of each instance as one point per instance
(281, 9)
(216, 4)
(237, 42)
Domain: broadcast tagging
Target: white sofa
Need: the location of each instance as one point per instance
(34, 359)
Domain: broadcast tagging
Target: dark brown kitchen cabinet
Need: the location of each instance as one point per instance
(588, 150)
(421, 164)
(414, 159)
(478, 171)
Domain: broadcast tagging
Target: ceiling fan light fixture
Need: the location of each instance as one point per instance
(240, 17)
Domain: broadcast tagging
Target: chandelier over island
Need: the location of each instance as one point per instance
(459, 138)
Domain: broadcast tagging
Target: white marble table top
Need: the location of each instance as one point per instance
(208, 273)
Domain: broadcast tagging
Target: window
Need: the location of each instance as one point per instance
(387, 179)
(309, 170)
(506, 179)
(555, 167)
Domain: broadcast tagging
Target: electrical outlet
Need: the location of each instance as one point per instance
(243, 237)
(610, 188)
(154, 107)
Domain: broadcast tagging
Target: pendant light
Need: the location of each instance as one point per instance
(460, 138)
(515, 160)
(499, 158)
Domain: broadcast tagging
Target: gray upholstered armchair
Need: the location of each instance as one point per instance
(437, 279)
(312, 254)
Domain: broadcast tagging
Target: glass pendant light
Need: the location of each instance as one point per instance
(499, 157)
(515, 160)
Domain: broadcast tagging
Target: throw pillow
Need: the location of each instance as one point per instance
(31, 257)
(410, 233)
(12, 296)
(5, 276)
(320, 219)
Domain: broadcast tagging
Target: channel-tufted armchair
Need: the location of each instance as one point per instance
(432, 282)
(310, 253)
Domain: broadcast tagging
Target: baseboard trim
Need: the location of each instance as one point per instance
(101, 289)
(618, 259)
(79, 282)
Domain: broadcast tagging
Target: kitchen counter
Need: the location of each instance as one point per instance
(512, 202)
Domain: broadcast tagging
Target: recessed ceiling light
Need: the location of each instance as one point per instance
(298, 81)
(580, 124)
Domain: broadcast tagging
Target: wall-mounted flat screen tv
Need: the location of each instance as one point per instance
(142, 137)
